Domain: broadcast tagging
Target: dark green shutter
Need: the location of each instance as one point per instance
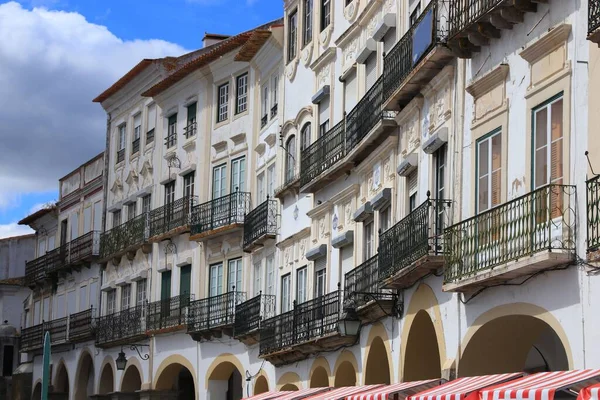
(191, 113)
(185, 279)
(165, 285)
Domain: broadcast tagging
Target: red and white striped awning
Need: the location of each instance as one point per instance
(266, 396)
(589, 393)
(542, 386)
(464, 388)
(406, 388)
(302, 393)
(342, 393)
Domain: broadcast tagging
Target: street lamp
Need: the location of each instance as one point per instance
(349, 323)
(121, 361)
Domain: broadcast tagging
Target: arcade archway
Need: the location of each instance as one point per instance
(377, 369)
(132, 380)
(61, 382)
(261, 385)
(422, 356)
(107, 380)
(84, 378)
(177, 377)
(226, 377)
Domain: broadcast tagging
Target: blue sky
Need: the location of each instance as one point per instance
(60, 54)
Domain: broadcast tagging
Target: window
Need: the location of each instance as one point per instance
(36, 313)
(264, 106)
(440, 187)
(271, 180)
(414, 16)
(87, 219)
(548, 143)
(305, 136)
(216, 280)
(74, 226)
(137, 130)
(188, 184)
(8, 360)
(185, 279)
(301, 285)
(241, 93)
(324, 128)
(41, 246)
(151, 123)
(51, 240)
(238, 174)
(270, 275)
(370, 71)
(320, 276)
(146, 203)
(324, 116)
(260, 187)
(223, 101)
(274, 95)
(169, 192)
(141, 287)
(368, 245)
(98, 216)
(116, 218)
(350, 90)
(111, 298)
(83, 300)
(190, 129)
(412, 186)
(384, 218)
(94, 293)
(219, 179)
(257, 277)
(292, 34)
(171, 139)
(307, 35)
(285, 293)
(122, 136)
(59, 306)
(325, 14)
(125, 297)
(165, 285)
(489, 171)
(72, 302)
(235, 275)
(290, 160)
(131, 211)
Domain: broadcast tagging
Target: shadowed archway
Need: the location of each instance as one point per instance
(422, 356)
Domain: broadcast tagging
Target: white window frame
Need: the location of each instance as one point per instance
(223, 102)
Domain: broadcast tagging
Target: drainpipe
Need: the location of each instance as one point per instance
(105, 193)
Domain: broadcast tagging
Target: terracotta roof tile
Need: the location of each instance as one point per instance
(36, 215)
(253, 45)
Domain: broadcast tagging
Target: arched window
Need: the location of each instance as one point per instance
(290, 158)
(305, 134)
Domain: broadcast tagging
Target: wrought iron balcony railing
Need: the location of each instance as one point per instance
(463, 13)
(125, 236)
(36, 270)
(58, 329)
(362, 283)
(290, 179)
(32, 338)
(274, 111)
(323, 153)
(260, 222)
(417, 235)
(121, 326)
(593, 16)
(120, 155)
(542, 220)
(150, 136)
(171, 140)
(250, 314)
(263, 120)
(416, 43)
(593, 213)
(176, 214)
(135, 146)
(167, 313)
(307, 321)
(190, 130)
(85, 246)
(81, 325)
(214, 312)
(220, 212)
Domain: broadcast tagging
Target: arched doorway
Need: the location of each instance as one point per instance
(84, 378)
(107, 380)
(61, 382)
(289, 387)
(261, 385)
(345, 375)
(513, 343)
(132, 380)
(319, 378)
(422, 355)
(377, 367)
(37, 392)
(226, 378)
(178, 378)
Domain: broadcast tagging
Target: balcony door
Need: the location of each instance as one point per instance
(219, 181)
(185, 280)
(238, 173)
(216, 305)
(440, 189)
(234, 269)
(216, 280)
(165, 285)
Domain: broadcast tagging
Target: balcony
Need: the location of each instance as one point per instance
(122, 327)
(250, 315)
(213, 316)
(594, 21)
(190, 130)
(414, 247)
(291, 184)
(72, 255)
(263, 121)
(518, 239)
(126, 238)
(32, 338)
(260, 225)
(274, 111)
(473, 23)
(71, 329)
(348, 143)
(171, 140)
(593, 218)
(310, 328)
(135, 146)
(120, 156)
(81, 326)
(167, 315)
(220, 216)
(362, 286)
(171, 219)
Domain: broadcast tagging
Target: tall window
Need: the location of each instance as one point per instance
(131, 210)
(323, 128)
(270, 289)
(137, 130)
(489, 170)
(301, 285)
(412, 183)
(384, 218)
(440, 187)
(216, 280)
(151, 123)
(141, 292)
(219, 179)
(146, 203)
(87, 219)
(274, 94)
(223, 102)
(285, 293)
(325, 14)
(257, 277)
(111, 299)
(238, 174)
(260, 187)
(307, 34)
(169, 192)
(271, 180)
(234, 269)
(264, 108)
(116, 218)
(292, 34)
(241, 93)
(121, 143)
(171, 139)
(305, 136)
(74, 226)
(368, 245)
(188, 184)
(290, 161)
(190, 129)
(320, 276)
(125, 297)
(548, 143)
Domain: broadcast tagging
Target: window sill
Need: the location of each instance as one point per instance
(221, 123)
(240, 115)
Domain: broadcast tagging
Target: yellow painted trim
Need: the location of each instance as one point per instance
(320, 362)
(223, 358)
(422, 299)
(378, 330)
(175, 359)
(345, 356)
(132, 362)
(289, 378)
(262, 373)
(108, 360)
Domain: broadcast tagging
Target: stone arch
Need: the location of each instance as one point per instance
(319, 373)
(288, 381)
(423, 299)
(378, 364)
(422, 356)
(289, 387)
(176, 372)
(131, 379)
(345, 370)
(61, 379)
(226, 374)
(107, 379)
(538, 330)
(84, 376)
(132, 362)
(261, 385)
(37, 390)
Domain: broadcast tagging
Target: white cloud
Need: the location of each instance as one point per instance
(13, 229)
(53, 64)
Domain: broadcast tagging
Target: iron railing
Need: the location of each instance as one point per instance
(214, 312)
(84, 246)
(167, 313)
(121, 325)
(307, 321)
(593, 213)
(263, 120)
(464, 13)
(419, 234)
(58, 329)
(250, 314)
(219, 212)
(172, 215)
(120, 155)
(364, 280)
(416, 43)
(274, 111)
(190, 130)
(542, 220)
(72, 328)
(81, 325)
(593, 15)
(289, 180)
(150, 136)
(35, 270)
(131, 233)
(260, 222)
(135, 146)
(323, 153)
(171, 140)
(32, 337)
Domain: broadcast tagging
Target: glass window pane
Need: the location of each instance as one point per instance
(483, 158)
(541, 167)
(483, 194)
(541, 128)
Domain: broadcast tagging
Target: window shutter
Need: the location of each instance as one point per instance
(320, 263)
(347, 259)
(412, 182)
(389, 40)
(371, 70)
(324, 110)
(350, 91)
(151, 117)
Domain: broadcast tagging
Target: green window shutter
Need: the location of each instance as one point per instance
(165, 285)
(185, 279)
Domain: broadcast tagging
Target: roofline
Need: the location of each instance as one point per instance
(91, 160)
(37, 215)
(26, 236)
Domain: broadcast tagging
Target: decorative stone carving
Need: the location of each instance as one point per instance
(348, 212)
(351, 10)
(349, 53)
(290, 69)
(325, 35)
(323, 76)
(306, 54)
